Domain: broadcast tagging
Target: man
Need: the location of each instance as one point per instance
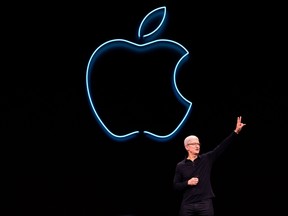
(192, 175)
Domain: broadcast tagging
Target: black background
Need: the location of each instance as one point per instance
(56, 159)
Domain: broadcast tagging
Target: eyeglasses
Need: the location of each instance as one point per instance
(193, 144)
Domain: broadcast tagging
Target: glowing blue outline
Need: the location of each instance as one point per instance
(177, 92)
(148, 15)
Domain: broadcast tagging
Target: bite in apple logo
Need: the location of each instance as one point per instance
(148, 45)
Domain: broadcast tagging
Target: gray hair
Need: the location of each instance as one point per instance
(190, 138)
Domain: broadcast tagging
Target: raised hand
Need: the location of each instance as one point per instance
(239, 125)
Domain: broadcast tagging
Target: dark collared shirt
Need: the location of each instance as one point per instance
(201, 168)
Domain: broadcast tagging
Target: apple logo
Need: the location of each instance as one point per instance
(147, 45)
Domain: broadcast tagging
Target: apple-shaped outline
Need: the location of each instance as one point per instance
(125, 43)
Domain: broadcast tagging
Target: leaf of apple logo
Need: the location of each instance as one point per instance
(148, 44)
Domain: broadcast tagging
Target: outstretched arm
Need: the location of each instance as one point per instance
(219, 149)
(239, 125)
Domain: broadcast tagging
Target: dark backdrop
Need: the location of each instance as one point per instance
(56, 159)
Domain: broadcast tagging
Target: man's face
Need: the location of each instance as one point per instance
(192, 145)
